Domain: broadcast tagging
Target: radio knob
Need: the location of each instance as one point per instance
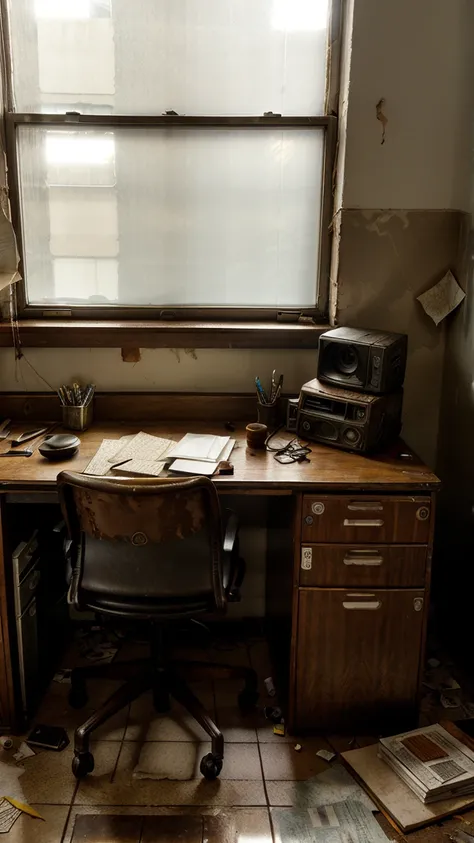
(306, 425)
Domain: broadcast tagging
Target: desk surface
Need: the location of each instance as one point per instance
(255, 472)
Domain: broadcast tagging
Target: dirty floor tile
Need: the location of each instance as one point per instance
(26, 829)
(240, 782)
(284, 763)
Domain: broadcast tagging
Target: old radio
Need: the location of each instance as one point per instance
(369, 361)
(347, 419)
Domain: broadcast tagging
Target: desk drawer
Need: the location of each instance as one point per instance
(366, 519)
(358, 566)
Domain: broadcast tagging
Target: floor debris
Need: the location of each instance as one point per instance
(324, 753)
(271, 690)
(23, 751)
(336, 823)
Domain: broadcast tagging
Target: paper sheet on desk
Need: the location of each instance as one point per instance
(99, 464)
(202, 467)
(200, 446)
(144, 468)
(143, 446)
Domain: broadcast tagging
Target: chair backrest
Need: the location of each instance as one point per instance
(144, 541)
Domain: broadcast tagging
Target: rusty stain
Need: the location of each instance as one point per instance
(381, 117)
(131, 354)
(191, 352)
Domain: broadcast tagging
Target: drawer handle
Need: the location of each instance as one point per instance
(364, 605)
(363, 522)
(362, 557)
(365, 506)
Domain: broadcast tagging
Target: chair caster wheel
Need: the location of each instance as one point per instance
(82, 764)
(78, 697)
(247, 699)
(211, 765)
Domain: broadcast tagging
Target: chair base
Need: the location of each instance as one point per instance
(165, 680)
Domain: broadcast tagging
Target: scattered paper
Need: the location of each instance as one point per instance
(24, 808)
(197, 467)
(279, 729)
(63, 676)
(460, 836)
(202, 467)
(333, 785)
(8, 815)
(199, 446)
(434, 662)
(10, 773)
(298, 747)
(337, 823)
(143, 446)
(324, 753)
(23, 751)
(99, 464)
(144, 468)
(449, 684)
(443, 298)
(452, 701)
(268, 682)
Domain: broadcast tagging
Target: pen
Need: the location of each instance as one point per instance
(279, 387)
(273, 387)
(261, 392)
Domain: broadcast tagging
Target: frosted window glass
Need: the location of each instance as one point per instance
(148, 56)
(208, 217)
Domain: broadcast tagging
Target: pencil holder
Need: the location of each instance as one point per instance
(269, 414)
(78, 418)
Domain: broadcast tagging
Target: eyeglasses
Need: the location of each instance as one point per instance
(292, 451)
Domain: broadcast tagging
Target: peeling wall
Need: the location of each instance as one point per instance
(162, 369)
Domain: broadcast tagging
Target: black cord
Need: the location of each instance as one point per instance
(292, 451)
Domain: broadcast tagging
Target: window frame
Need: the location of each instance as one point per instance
(327, 123)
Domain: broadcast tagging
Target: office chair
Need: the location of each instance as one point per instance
(155, 551)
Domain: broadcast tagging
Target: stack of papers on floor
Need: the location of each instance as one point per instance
(431, 761)
(200, 453)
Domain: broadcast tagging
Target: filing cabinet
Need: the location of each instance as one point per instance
(361, 594)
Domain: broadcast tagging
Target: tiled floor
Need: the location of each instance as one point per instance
(260, 770)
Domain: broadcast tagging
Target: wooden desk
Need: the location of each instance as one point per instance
(348, 569)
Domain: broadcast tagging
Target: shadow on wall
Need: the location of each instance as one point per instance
(453, 571)
(387, 259)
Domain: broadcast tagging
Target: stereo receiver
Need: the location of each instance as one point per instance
(347, 419)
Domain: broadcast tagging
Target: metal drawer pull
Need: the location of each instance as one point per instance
(362, 557)
(362, 522)
(365, 506)
(369, 605)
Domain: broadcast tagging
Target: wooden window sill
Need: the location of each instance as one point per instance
(50, 333)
